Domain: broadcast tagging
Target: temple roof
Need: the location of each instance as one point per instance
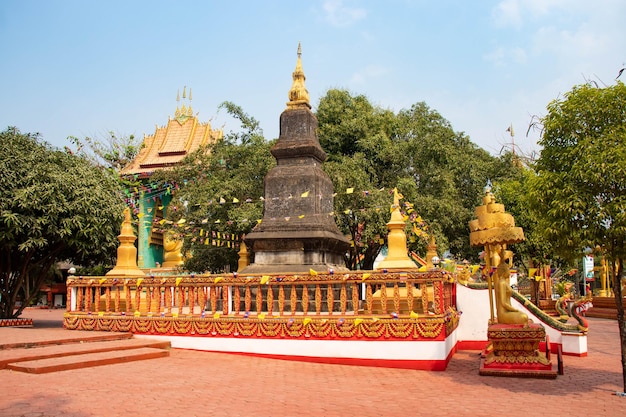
(169, 144)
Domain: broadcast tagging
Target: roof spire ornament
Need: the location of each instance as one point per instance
(298, 95)
(184, 113)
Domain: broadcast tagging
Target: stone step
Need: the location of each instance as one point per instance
(66, 337)
(87, 360)
(46, 351)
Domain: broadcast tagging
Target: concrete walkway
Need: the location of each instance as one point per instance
(191, 383)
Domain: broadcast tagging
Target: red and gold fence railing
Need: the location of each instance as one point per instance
(424, 297)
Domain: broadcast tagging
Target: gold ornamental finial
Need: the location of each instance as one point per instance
(298, 95)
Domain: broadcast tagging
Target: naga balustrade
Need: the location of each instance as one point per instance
(376, 295)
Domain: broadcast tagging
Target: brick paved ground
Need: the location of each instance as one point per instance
(191, 383)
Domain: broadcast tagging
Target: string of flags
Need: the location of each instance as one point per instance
(208, 233)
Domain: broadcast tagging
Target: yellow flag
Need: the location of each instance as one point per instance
(365, 276)
(235, 200)
(312, 272)
(102, 281)
(216, 315)
(306, 321)
(265, 279)
(181, 221)
(137, 313)
(139, 281)
(178, 280)
(532, 272)
(222, 201)
(350, 190)
(304, 194)
(414, 315)
(261, 316)
(217, 279)
(357, 322)
(100, 313)
(301, 216)
(140, 215)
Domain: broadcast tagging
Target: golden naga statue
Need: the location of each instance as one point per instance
(494, 228)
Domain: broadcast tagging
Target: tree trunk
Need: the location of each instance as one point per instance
(617, 291)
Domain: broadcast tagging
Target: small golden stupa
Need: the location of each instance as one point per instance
(126, 265)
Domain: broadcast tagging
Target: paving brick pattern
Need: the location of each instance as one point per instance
(192, 383)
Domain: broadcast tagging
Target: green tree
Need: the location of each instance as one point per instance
(439, 171)
(113, 151)
(53, 206)
(579, 192)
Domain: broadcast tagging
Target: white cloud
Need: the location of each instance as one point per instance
(340, 15)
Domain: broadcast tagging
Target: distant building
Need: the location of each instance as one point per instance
(164, 149)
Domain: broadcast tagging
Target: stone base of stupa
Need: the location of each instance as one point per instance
(513, 351)
(296, 252)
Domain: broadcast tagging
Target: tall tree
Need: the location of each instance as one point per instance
(416, 150)
(113, 151)
(579, 193)
(54, 206)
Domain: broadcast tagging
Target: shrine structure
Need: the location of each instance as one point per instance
(296, 300)
(297, 233)
(166, 147)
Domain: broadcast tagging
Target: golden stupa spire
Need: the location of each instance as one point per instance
(298, 95)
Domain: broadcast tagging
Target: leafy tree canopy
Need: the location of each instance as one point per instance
(439, 172)
(579, 192)
(113, 151)
(54, 206)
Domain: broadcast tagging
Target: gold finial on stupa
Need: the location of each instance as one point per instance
(298, 95)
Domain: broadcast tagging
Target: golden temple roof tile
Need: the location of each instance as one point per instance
(169, 144)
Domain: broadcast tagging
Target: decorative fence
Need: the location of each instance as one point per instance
(334, 304)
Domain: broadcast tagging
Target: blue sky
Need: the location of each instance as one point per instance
(83, 68)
